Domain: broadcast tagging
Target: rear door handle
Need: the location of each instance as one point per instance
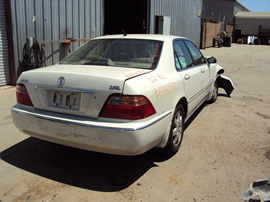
(187, 76)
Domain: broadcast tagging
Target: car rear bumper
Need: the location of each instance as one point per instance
(101, 135)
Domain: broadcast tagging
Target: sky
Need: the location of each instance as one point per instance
(256, 5)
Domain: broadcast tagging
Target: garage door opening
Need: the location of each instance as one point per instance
(130, 16)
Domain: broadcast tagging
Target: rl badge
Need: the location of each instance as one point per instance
(114, 87)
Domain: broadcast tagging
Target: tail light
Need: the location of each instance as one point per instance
(127, 107)
(22, 95)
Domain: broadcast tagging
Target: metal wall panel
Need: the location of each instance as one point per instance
(99, 9)
(69, 25)
(39, 22)
(184, 17)
(55, 31)
(87, 14)
(47, 20)
(4, 60)
(30, 28)
(47, 23)
(82, 26)
(15, 39)
(93, 18)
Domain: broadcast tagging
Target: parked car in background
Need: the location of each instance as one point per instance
(119, 94)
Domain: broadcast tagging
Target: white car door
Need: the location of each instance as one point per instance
(190, 74)
(201, 63)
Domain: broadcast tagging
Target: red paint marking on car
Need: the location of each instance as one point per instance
(165, 90)
(135, 73)
(156, 78)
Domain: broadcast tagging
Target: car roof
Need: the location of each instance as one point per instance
(141, 36)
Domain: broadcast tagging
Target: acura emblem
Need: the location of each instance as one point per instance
(61, 82)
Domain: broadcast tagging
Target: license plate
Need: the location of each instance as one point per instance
(66, 100)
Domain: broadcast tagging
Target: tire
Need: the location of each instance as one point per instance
(214, 93)
(176, 131)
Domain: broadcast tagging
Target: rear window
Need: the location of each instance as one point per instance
(133, 53)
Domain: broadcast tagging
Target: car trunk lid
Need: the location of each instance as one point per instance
(75, 89)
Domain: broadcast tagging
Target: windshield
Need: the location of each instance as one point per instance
(134, 53)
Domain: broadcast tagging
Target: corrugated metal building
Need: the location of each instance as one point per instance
(4, 60)
(249, 22)
(53, 20)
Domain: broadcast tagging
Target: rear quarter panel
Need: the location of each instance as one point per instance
(163, 86)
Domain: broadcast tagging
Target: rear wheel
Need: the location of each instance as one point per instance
(176, 131)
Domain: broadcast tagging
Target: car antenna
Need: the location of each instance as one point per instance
(124, 32)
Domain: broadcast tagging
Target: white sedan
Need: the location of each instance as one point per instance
(119, 94)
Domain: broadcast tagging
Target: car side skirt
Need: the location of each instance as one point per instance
(192, 112)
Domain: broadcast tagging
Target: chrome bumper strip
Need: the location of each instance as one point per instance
(86, 125)
(65, 89)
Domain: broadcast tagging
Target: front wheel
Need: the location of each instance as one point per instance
(176, 131)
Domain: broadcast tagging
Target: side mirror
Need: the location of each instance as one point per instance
(212, 60)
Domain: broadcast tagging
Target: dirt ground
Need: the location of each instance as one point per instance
(225, 148)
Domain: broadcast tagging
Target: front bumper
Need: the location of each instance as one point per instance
(101, 135)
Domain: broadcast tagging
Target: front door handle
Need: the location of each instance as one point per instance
(202, 70)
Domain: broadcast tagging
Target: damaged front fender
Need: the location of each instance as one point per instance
(225, 83)
(222, 81)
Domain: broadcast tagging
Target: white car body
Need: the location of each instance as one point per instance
(78, 124)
